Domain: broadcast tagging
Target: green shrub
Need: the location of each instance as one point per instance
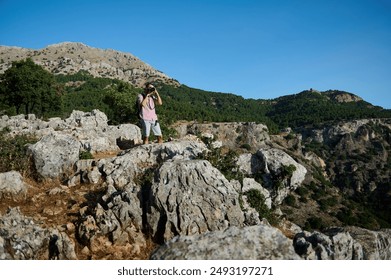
(287, 170)
(257, 201)
(246, 146)
(314, 223)
(290, 200)
(13, 152)
(85, 155)
(326, 203)
(302, 191)
(226, 162)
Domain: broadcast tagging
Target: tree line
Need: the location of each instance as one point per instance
(27, 88)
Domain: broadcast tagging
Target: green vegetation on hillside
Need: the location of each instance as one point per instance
(314, 108)
(57, 95)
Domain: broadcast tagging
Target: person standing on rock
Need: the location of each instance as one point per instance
(148, 117)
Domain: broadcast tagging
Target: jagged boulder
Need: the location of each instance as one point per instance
(12, 184)
(232, 134)
(95, 135)
(129, 164)
(116, 219)
(55, 154)
(280, 172)
(261, 242)
(87, 120)
(125, 136)
(89, 128)
(22, 239)
(190, 197)
(350, 243)
(120, 215)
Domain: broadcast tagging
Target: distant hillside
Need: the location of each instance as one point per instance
(70, 58)
(87, 75)
(313, 108)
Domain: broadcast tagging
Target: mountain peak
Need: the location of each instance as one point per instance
(71, 57)
(338, 96)
(342, 96)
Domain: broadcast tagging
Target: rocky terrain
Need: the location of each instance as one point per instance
(175, 201)
(70, 58)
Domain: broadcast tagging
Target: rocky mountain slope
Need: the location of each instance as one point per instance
(234, 187)
(164, 201)
(70, 58)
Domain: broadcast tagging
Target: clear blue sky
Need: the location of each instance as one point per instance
(257, 49)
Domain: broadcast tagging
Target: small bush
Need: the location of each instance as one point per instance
(257, 201)
(313, 223)
(286, 171)
(13, 152)
(326, 203)
(302, 191)
(226, 163)
(246, 146)
(290, 200)
(85, 155)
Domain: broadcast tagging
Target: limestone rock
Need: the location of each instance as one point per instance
(250, 183)
(271, 162)
(190, 197)
(22, 239)
(260, 242)
(55, 154)
(231, 135)
(129, 164)
(274, 159)
(87, 120)
(12, 184)
(350, 243)
(119, 218)
(89, 128)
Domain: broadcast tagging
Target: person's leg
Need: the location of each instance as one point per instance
(157, 132)
(146, 128)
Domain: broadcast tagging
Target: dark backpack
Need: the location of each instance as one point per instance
(137, 106)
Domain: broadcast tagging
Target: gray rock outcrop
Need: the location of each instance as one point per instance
(22, 239)
(117, 219)
(62, 141)
(349, 243)
(123, 169)
(190, 197)
(164, 194)
(273, 164)
(330, 134)
(231, 135)
(12, 184)
(89, 128)
(55, 154)
(260, 242)
(121, 213)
